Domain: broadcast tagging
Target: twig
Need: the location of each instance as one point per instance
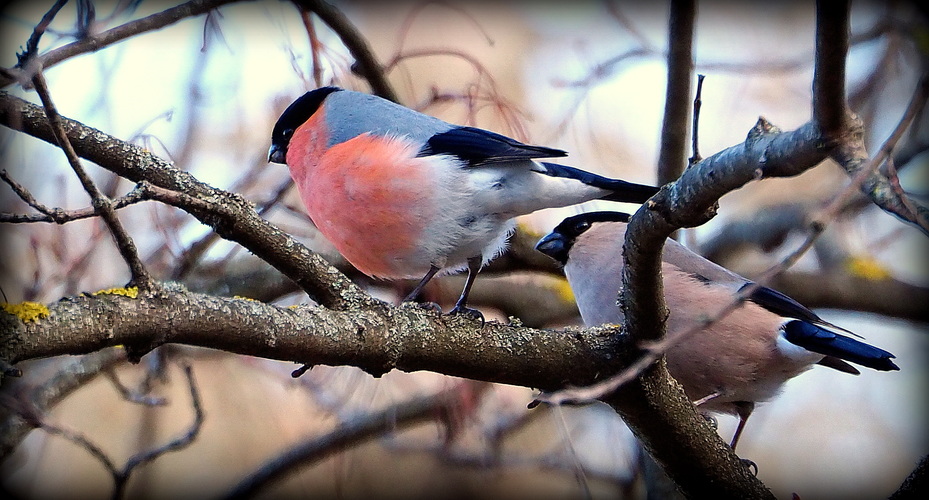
(175, 444)
(32, 45)
(96, 42)
(854, 159)
(365, 61)
(59, 215)
(398, 416)
(698, 102)
(102, 205)
(315, 46)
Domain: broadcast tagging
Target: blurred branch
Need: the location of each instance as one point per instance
(34, 417)
(365, 61)
(680, 64)
(32, 45)
(347, 434)
(178, 443)
(72, 376)
(93, 43)
(839, 290)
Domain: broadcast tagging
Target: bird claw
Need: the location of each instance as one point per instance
(468, 312)
(711, 420)
(750, 465)
(430, 306)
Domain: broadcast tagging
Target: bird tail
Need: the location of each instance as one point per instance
(622, 191)
(820, 340)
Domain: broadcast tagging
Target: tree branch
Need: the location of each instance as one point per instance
(94, 43)
(103, 206)
(671, 158)
(365, 61)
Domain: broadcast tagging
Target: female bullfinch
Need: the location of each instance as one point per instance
(404, 195)
(735, 362)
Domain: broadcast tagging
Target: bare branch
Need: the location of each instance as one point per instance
(832, 32)
(32, 45)
(94, 43)
(352, 433)
(59, 215)
(680, 64)
(102, 205)
(853, 157)
(178, 443)
(365, 61)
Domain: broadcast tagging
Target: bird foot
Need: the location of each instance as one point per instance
(711, 420)
(468, 312)
(430, 306)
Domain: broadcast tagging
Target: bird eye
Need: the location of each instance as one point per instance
(581, 226)
(287, 133)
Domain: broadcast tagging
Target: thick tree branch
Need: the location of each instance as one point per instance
(377, 339)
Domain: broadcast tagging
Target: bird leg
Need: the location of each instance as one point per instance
(743, 409)
(422, 284)
(474, 267)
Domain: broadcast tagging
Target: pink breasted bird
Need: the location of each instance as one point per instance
(404, 195)
(727, 367)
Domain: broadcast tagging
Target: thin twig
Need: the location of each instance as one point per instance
(60, 215)
(398, 416)
(366, 63)
(32, 45)
(102, 204)
(94, 43)
(698, 102)
(175, 444)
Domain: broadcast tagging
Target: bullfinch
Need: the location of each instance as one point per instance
(727, 367)
(404, 195)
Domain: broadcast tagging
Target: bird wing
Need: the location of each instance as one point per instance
(781, 304)
(478, 147)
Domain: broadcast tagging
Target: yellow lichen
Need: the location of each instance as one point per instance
(240, 297)
(867, 267)
(131, 292)
(26, 311)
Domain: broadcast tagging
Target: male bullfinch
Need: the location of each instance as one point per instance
(404, 195)
(735, 362)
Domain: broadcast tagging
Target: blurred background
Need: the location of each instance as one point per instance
(585, 77)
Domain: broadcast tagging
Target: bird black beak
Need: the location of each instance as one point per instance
(553, 245)
(277, 154)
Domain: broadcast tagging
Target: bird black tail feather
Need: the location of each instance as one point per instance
(820, 340)
(628, 192)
